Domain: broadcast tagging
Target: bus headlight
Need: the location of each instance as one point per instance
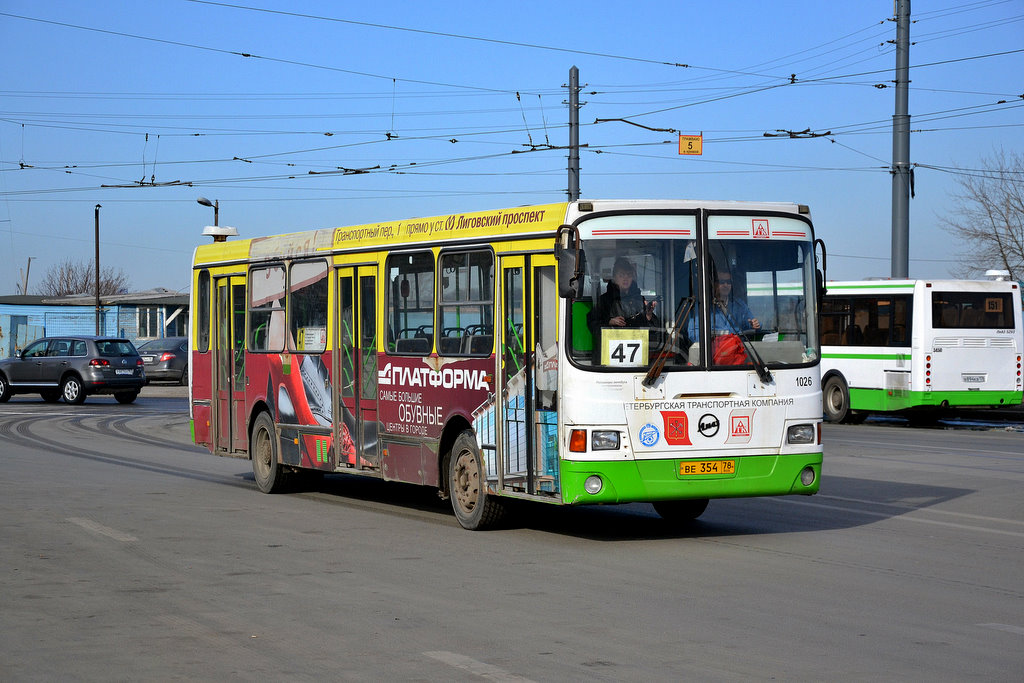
(593, 485)
(800, 434)
(604, 441)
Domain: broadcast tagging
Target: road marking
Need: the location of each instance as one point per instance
(1005, 627)
(491, 673)
(98, 528)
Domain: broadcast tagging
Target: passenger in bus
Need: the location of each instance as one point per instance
(622, 304)
(737, 317)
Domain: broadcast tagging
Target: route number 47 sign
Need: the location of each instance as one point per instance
(624, 347)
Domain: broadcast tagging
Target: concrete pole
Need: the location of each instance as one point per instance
(901, 170)
(99, 311)
(574, 134)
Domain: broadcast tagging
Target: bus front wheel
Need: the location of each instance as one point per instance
(271, 476)
(681, 510)
(467, 485)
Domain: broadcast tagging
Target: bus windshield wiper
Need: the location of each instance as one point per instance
(759, 365)
(654, 372)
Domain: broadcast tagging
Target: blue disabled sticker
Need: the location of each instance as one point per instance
(649, 435)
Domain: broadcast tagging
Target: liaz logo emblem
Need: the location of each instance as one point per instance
(759, 228)
(708, 425)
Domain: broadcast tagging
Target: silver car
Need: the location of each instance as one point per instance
(74, 367)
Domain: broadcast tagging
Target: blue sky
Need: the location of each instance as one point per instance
(455, 106)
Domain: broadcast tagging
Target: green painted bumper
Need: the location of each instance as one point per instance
(653, 480)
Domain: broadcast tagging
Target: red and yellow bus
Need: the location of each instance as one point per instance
(467, 352)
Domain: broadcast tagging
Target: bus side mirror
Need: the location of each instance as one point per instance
(819, 273)
(571, 260)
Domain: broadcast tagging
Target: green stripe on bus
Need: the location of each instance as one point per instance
(869, 286)
(868, 356)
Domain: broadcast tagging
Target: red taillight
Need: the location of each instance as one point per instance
(139, 363)
(166, 356)
(99, 362)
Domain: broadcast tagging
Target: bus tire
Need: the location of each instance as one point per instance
(835, 399)
(467, 485)
(271, 475)
(681, 510)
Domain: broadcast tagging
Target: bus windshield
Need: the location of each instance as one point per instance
(650, 301)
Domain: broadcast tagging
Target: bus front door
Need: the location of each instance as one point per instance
(229, 365)
(528, 367)
(356, 368)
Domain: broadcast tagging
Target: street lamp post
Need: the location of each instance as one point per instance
(215, 204)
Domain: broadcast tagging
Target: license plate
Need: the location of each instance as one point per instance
(147, 359)
(692, 467)
(124, 372)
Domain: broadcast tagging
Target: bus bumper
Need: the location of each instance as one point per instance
(655, 480)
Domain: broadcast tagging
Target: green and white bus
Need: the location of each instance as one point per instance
(919, 346)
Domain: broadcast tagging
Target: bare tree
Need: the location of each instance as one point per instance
(79, 277)
(988, 219)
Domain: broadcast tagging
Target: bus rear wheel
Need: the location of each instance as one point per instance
(681, 510)
(835, 398)
(467, 485)
(271, 476)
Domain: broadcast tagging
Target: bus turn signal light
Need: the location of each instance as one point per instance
(578, 441)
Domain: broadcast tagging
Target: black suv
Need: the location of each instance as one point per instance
(73, 368)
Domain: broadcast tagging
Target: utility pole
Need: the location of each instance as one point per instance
(28, 269)
(902, 173)
(574, 134)
(99, 311)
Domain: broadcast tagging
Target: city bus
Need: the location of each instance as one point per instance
(465, 352)
(917, 347)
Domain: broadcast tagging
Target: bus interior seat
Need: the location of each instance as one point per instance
(478, 344)
(419, 345)
(853, 336)
(972, 317)
(950, 316)
(449, 346)
(830, 338)
(874, 336)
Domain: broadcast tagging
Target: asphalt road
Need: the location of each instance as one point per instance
(129, 554)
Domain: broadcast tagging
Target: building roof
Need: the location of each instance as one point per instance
(152, 297)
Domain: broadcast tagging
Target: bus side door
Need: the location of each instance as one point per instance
(356, 367)
(230, 433)
(528, 367)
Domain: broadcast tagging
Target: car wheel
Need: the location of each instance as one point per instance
(126, 396)
(50, 396)
(184, 377)
(5, 389)
(72, 390)
(467, 485)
